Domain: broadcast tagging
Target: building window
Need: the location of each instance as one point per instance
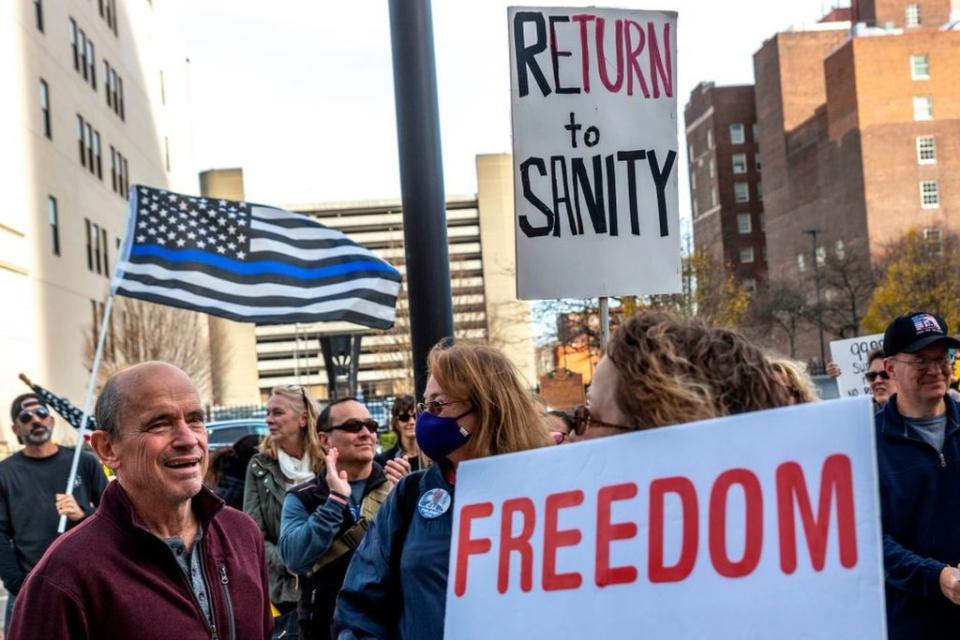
(91, 64)
(84, 59)
(750, 285)
(920, 67)
(736, 134)
(712, 168)
(75, 44)
(105, 248)
(93, 235)
(81, 140)
(840, 249)
(756, 162)
(119, 173)
(713, 197)
(926, 150)
(45, 108)
(746, 255)
(801, 263)
(114, 89)
(89, 144)
(741, 191)
(934, 237)
(53, 217)
(709, 138)
(760, 191)
(929, 194)
(695, 212)
(690, 152)
(693, 179)
(98, 158)
(38, 14)
(922, 108)
(913, 17)
(739, 162)
(755, 133)
(744, 225)
(108, 11)
(113, 168)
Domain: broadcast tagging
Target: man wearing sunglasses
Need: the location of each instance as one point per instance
(31, 498)
(325, 519)
(918, 456)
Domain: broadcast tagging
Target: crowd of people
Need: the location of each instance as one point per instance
(336, 540)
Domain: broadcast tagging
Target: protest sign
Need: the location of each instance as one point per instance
(593, 97)
(851, 356)
(750, 526)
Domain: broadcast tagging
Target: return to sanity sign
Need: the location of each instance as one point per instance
(753, 526)
(851, 356)
(595, 151)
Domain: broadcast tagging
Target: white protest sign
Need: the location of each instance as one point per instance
(751, 526)
(851, 356)
(593, 97)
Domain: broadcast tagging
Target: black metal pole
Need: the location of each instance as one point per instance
(421, 181)
(816, 278)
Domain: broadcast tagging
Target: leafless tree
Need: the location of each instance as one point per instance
(781, 305)
(140, 331)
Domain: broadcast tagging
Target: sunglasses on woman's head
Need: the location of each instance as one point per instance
(27, 415)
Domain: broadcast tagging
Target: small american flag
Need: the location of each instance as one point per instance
(250, 263)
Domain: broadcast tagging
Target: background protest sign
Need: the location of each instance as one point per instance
(593, 97)
(749, 526)
(851, 355)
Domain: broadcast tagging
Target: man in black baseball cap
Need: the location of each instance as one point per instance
(918, 453)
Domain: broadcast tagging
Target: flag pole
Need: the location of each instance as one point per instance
(118, 271)
(101, 340)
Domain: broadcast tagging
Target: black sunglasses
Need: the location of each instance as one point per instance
(355, 426)
(873, 375)
(27, 415)
(403, 417)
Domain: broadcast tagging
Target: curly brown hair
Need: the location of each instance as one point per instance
(673, 370)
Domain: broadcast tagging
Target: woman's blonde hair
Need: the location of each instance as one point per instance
(793, 375)
(673, 370)
(507, 419)
(302, 403)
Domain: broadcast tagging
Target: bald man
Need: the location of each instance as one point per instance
(162, 557)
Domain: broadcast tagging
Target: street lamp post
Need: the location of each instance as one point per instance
(816, 278)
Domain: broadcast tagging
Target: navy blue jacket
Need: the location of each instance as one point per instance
(920, 511)
(378, 580)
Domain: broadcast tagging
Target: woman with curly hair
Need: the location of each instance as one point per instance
(660, 369)
(475, 405)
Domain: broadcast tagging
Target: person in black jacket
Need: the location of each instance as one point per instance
(918, 457)
(403, 420)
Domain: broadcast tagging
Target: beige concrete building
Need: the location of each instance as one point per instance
(96, 100)
(481, 235)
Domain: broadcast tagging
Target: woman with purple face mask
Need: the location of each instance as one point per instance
(475, 405)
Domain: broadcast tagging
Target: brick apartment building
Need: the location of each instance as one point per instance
(859, 124)
(725, 191)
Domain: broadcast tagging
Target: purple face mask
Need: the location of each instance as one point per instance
(439, 436)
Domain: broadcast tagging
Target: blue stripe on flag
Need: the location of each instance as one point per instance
(265, 267)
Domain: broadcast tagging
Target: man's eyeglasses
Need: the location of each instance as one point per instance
(436, 407)
(356, 426)
(583, 421)
(873, 375)
(26, 415)
(404, 417)
(944, 362)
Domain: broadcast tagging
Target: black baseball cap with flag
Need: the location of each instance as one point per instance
(916, 331)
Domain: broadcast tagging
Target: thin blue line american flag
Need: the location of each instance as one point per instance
(250, 263)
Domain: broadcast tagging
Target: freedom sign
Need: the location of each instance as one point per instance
(751, 526)
(851, 356)
(593, 98)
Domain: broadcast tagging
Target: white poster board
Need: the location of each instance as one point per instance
(593, 97)
(851, 356)
(708, 530)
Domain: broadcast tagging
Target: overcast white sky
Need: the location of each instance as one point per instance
(300, 92)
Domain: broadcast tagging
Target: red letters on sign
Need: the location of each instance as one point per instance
(656, 570)
(836, 478)
(554, 538)
(607, 532)
(718, 523)
(466, 545)
(519, 543)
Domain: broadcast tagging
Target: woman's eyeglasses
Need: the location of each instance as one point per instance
(583, 421)
(435, 407)
(404, 417)
(26, 415)
(873, 375)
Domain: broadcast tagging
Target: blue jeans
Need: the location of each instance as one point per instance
(8, 613)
